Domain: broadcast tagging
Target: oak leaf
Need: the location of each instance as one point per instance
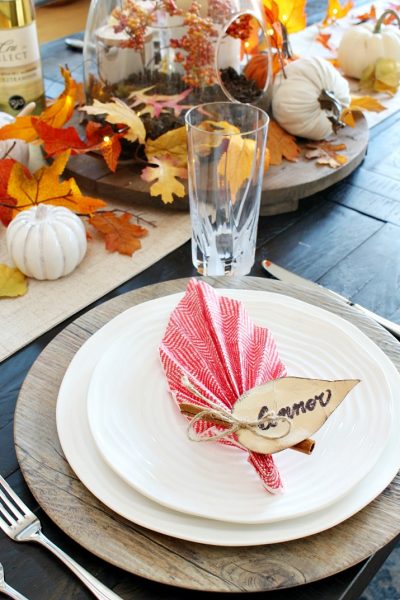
(30, 189)
(326, 154)
(55, 115)
(120, 234)
(170, 144)
(155, 104)
(117, 112)
(12, 282)
(165, 175)
(281, 145)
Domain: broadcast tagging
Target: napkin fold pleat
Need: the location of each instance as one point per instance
(212, 340)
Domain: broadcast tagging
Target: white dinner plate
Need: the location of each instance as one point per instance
(140, 433)
(84, 458)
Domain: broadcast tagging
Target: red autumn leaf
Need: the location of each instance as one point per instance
(120, 234)
(57, 140)
(6, 201)
(103, 139)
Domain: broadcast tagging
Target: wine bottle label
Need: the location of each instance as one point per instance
(20, 68)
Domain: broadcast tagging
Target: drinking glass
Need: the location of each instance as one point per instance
(226, 147)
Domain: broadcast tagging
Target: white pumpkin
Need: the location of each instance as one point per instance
(297, 97)
(362, 45)
(46, 242)
(16, 149)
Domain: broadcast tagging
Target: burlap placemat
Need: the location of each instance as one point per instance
(47, 303)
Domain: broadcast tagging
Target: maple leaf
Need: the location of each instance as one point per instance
(156, 104)
(120, 234)
(55, 115)
(290, 12)
(170, 144)
(281, 145)
(336, 11)
(6, 202)
(323, 39)
(12, 282)
(44, 186)
(117, 112)
(99, 137)
(164, 175)
(326, 153)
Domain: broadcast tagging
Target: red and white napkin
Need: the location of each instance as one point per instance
(212, 340)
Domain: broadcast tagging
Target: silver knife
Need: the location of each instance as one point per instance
(285, 275)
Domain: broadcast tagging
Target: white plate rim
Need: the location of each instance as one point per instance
(138, 509)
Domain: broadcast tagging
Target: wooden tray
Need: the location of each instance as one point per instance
(165, 559)
(283, 186)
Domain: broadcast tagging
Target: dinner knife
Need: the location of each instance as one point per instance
(289, 277)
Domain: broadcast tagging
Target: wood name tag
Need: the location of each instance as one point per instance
(301, 405)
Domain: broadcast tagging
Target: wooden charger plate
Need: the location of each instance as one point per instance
(283, 186)
(158, 557)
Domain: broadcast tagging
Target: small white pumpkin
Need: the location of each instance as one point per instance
(16, 149)
(308, 97)
(46, 242)
(362, 45)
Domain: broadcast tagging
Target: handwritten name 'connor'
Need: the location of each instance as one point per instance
(297, 407)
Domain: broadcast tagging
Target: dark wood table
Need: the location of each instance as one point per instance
(346, 238)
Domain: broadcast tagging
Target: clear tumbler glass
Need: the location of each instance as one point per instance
(226, 147)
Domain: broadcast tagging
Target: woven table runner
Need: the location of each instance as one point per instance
(48, 303)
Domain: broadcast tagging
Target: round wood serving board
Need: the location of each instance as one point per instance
(158, 557)
(283, 187)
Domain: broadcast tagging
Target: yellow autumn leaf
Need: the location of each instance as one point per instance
(117, 112)
(172, 143)
(366, 103)
(30, 189)
(12, 282)
(347, 117)
(383, 76)
(165, 174)
(237, 164)
(335, 11)
(292, 13)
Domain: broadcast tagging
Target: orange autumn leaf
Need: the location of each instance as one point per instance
(281, 145)
(291, 13)
(44, 186)
(326, 154)
(368, 16)
(6, 202)
(323, 39)
(56, 115)
(360, 104)
(164, 175)
(336, 11)
(120, 234)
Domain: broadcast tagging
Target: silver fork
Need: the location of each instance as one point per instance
(7, 589)
(22, 525)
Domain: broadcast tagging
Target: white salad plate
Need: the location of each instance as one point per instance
(87, 462)
(139, 431)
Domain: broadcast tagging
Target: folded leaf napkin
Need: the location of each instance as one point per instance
(212, 340)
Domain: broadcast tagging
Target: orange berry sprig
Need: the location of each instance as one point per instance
(198, 62)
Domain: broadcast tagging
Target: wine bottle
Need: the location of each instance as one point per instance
(21, 78)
